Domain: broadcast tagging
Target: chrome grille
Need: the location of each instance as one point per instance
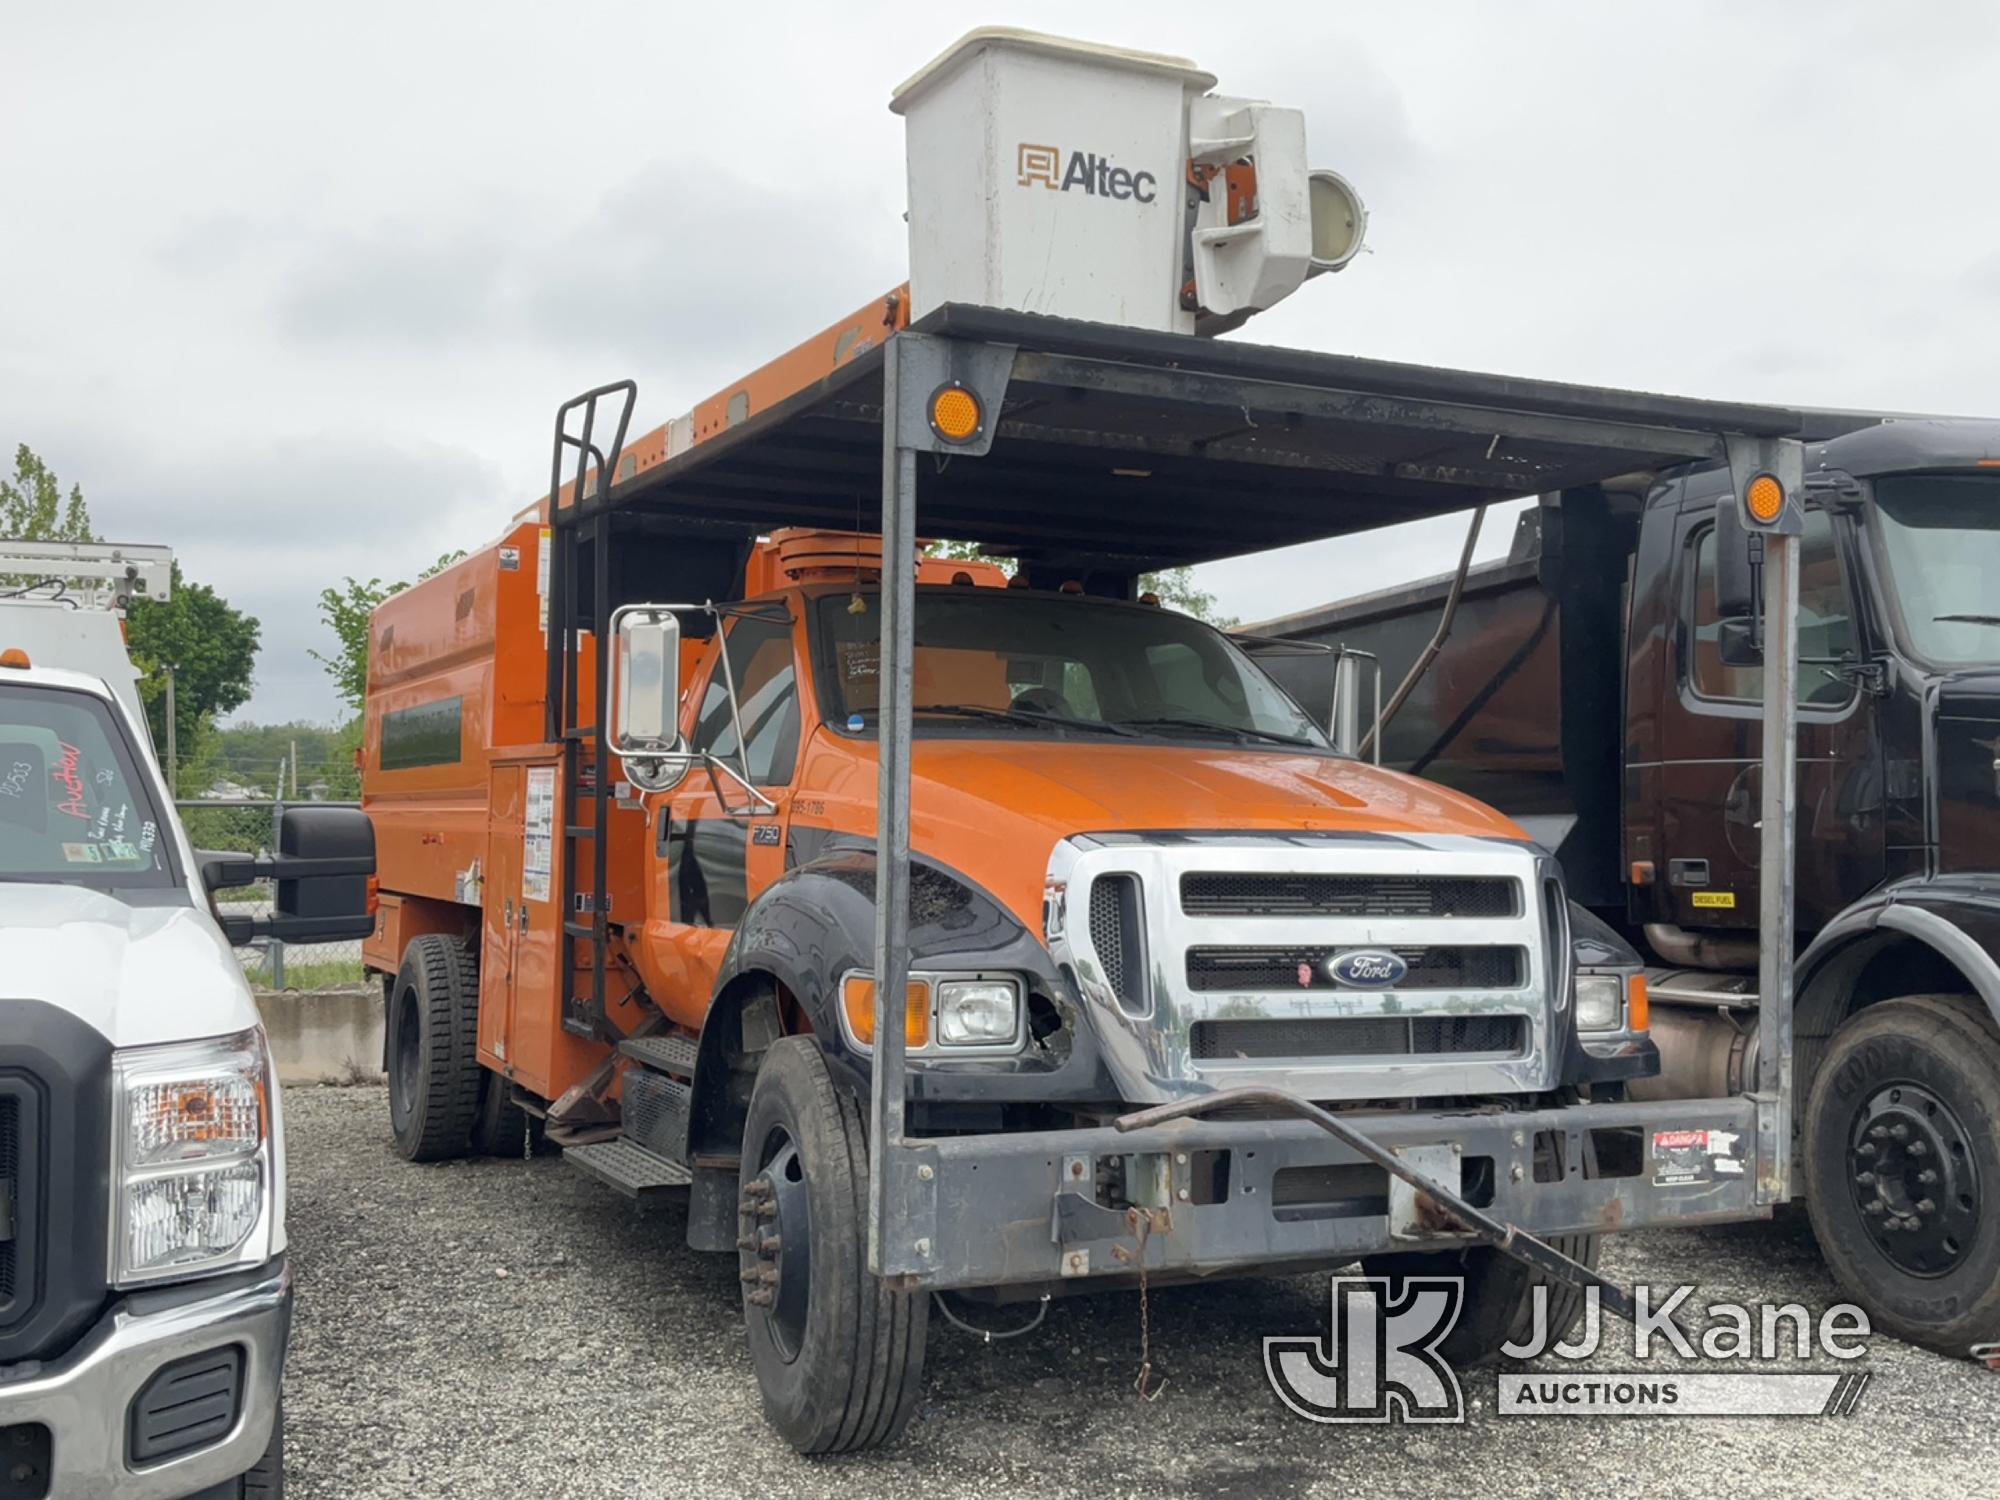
(1216, 893)
(1305, 968)
(1372, 1036)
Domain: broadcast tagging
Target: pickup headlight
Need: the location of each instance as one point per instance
(192, 1175)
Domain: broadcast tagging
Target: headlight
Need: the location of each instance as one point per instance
(1600, 1002)
(977, 1012)
(193, 1170)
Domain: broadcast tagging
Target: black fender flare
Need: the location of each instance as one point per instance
(816, 923)
(1954, 919)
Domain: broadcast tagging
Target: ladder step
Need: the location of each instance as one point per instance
(669, 1054)
(580, 930)
(583, 732)
(631, 1169)
(580, 830)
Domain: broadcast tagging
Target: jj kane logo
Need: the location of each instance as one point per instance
(1046, 166)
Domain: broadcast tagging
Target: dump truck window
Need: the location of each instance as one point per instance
(760, 654)
(1826, 627)
(73, 808)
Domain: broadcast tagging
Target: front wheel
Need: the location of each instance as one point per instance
(1901, 1149)
(839, 1357)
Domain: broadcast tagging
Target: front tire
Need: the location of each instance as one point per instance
(434, 1072)
(265, 1479)
(839, 1357)
(1901, 1148)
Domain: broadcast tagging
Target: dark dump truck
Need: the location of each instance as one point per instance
(1602, 685)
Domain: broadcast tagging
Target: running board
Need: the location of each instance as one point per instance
(631, 1169)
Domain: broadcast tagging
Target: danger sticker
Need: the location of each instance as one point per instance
(1687, 1156)
(1716, 900)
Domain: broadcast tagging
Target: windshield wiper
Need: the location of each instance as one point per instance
(1212, 726)
(1970, 619)
(1014, 716)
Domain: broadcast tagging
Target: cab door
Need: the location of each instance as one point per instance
(719, 846)
(1711, 737)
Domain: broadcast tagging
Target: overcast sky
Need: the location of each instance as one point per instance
(297, 289)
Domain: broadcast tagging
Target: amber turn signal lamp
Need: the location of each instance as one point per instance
(1638, 1007)
(955, 414)
(857, 997)
(1766, 498)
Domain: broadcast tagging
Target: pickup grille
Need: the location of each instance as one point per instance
(1252, 894)
(1304, 968)
(1372, 1036)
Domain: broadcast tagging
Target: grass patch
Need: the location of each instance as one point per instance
(314, 974)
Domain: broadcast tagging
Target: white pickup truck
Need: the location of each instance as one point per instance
(144, 1294)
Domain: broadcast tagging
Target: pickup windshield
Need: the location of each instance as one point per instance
(74, 808)
(1000, 661)
(1941, 540)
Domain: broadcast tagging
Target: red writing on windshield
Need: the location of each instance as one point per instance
(68, 776)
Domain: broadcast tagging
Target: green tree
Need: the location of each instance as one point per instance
(345, 611)
(32, 507)
(209, 646)
(1175, 586)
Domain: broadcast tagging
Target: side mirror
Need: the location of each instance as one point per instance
(322, 866)
(1737, 579)
(645, 718)
(1346, 728)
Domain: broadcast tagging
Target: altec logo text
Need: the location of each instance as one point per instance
(1043, 166)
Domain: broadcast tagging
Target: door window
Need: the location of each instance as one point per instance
(1826, 626)
(767, 689)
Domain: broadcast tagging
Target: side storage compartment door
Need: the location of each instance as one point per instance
(520, 1009)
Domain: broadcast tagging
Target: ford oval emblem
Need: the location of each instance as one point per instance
(1369, 968)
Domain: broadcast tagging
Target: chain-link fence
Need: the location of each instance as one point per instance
(249, 825)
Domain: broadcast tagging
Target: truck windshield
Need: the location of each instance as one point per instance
(1941, 540)
(74, 808)
(994, 660)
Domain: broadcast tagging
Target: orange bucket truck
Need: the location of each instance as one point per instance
(674, 781)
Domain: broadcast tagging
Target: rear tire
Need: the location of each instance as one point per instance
(1924, 1071)
(839, 1357)
(434, 1071)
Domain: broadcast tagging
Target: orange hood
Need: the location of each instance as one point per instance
(995, 810)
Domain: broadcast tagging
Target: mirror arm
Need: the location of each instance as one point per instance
(759, 802)
(735, 709)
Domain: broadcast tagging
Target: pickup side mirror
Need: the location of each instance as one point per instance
(322, 867)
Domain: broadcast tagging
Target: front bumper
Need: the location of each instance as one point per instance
(84, 1398)
(1237, 1196)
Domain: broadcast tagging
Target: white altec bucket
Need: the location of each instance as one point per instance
(1049, 176)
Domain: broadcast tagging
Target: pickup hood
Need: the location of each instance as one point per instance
(1968, 753)
(138, 974)
(994, 810)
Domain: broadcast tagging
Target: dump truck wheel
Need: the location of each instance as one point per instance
(434, 1072)
(1901, 1152)
(839, 1358)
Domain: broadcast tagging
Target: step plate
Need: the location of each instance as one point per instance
(668, 1054)
(633, 1170)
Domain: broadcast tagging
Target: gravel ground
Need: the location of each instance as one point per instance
(504, 1328)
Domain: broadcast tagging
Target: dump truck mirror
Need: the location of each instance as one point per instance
(1736, 572)
(645, 718)
(1737, 644)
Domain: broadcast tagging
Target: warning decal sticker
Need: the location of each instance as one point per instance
(538, 834)
(1688, 1156)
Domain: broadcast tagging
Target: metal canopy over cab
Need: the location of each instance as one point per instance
(1098, 453)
